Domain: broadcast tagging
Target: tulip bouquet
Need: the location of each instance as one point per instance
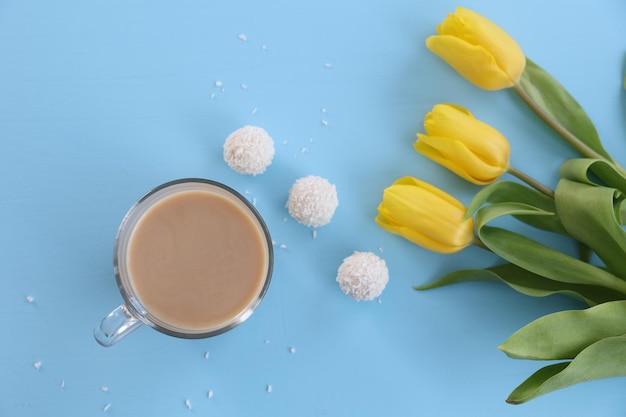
(586, 206)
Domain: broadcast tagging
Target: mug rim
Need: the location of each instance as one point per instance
(134, 304)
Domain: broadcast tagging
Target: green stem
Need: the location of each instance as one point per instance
(531, 181)
(479, 243)
(576, 143)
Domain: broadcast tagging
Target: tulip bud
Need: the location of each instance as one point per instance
(425, 215)
(479, 50)
(468, 147)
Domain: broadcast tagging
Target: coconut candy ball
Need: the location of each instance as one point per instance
(249, 150)
(312, 201)
(363, 276)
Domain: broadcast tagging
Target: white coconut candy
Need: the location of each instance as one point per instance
(249, 150)
(312, 201)
(363, 276)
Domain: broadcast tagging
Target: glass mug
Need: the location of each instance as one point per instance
(192, 259)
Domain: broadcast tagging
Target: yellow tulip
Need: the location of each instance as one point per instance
(468, 147)
(425, 215)
(479, 50)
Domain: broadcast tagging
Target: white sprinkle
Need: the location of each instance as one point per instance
(292, 349)
(324, 122)
(29, 299)
(188, 404)
(206, 355)
(106, 407)
(242, 37)
(268, 388)
(254, 110)
(243, 87)
(328, 65)
(104, 389)
(212, 95)
(323, 109)
(311, 140)
(380, 301)
(37, 365)
(209, 394)
(304, 150)
(314, 233)
(283, 246)
(380, 249)
(218, 83)
(284, 142)
(62, 384)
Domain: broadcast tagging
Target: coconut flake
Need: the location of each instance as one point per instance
(106, 407)
(363, 276)
(37, 365)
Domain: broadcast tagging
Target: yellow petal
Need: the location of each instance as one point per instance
(417, 238)
(455, 122)
(459, 159)
(481, 31)
(473, 62)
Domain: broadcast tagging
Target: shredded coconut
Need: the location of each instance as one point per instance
(292, 349)
(249, 150)
(209, 394)
(312, 201)
(188, 404)
(37, 365)
(106, 407)
(268, 388)
(29, 299)
(206, 355)
(363, 276)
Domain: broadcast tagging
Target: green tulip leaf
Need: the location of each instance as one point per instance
(507, 191)
(590, 214)
(565, 334)
(551, 101)
(594, 171)
(605, 358)
(545, 261)
(525, 282)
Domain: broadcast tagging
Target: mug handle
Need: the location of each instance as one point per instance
(118, 324)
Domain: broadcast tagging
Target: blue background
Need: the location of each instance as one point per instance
(100, 101)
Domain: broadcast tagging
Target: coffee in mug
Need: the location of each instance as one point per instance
(193, 258)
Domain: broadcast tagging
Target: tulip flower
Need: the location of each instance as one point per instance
(468, 147)
(426, 216)
(479, 50)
